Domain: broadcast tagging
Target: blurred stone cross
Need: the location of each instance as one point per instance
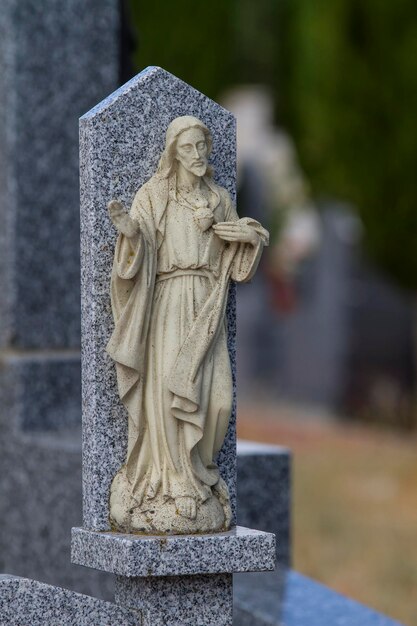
(172, 579)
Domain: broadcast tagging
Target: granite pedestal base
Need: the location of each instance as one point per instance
(203, 600)
(238, 550)
(176, 579)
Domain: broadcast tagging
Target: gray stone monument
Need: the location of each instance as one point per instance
(176, 579)
(264, 492)
(56, 60)
(24, 602)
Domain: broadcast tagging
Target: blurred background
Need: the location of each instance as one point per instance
(325, 95)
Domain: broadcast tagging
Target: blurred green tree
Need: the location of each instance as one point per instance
(191, 40)
(210, 45)
(344, 78)
(348, 94)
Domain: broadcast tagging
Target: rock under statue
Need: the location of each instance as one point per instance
(176, 252)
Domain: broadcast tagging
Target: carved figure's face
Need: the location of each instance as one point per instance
(192, 150)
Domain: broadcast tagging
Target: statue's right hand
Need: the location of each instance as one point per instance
(122, 220)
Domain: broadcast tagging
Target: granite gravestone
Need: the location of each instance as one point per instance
(173, 579)
(41, 98)
(56, 60)
(264, 492)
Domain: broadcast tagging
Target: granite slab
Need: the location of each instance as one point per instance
(40, 391)
(40, 500)
(25, 602)
(287, 598)
(41, 97)
(238, 550)
(264, 492)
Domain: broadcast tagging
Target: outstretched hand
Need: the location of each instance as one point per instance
(236, 231)
(122, 220)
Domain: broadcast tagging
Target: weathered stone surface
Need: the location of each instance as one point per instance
(179, 600)
(238, 550)
(264, 492)
(24, 602)
(121, 140)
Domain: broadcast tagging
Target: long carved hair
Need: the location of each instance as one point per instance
(168, 163)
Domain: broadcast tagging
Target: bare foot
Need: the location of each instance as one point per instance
(186, 507)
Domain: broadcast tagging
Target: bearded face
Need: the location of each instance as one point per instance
(192, 151)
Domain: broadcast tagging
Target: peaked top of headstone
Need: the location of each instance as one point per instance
(151, 74)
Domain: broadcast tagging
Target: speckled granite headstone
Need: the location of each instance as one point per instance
(57, 59)
(121, 140)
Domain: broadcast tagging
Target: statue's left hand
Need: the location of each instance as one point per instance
(236, 231)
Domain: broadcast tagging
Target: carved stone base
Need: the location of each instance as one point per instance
(160, 516)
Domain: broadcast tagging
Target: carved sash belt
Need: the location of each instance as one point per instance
(187, 272)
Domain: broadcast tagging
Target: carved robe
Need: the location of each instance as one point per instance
(169, 292)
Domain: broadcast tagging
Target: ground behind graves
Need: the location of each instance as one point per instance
(354, 506)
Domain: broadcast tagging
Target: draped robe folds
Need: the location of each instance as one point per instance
(174, 375)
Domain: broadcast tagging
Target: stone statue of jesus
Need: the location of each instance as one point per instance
(176, 252)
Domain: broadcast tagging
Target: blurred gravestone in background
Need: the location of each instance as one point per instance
(56, 60)
(355, 129)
